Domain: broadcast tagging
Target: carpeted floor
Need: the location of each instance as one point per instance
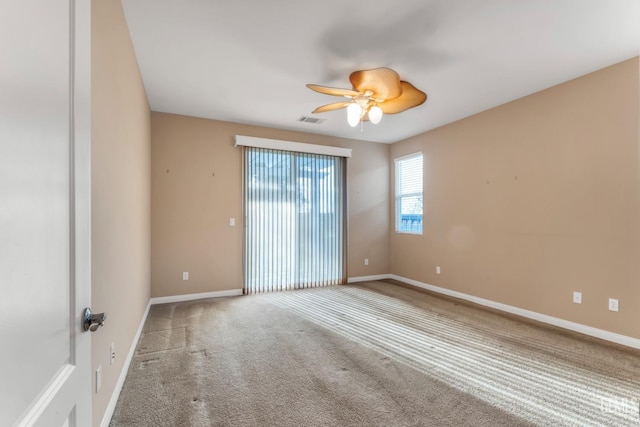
(374, 354)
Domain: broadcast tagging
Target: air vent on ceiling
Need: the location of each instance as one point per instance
(314, 120)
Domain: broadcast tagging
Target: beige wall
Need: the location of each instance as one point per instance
(120, 194)
(197, 187)
(535, 199)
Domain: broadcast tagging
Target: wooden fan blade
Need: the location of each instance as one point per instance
(383, 82)
(411, 97)
(333, 91)
(331, 107)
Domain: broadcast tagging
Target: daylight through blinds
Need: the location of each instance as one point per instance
(409, 194)
(294, 227)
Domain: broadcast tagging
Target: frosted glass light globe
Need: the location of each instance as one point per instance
(354, 113)
(375, 114)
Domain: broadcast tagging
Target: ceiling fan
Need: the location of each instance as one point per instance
(375, 92)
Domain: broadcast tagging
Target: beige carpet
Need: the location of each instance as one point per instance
(375, 354)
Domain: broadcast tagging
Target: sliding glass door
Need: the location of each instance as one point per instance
(294, 206)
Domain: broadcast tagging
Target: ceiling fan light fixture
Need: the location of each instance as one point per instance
(354, 114)
(375, 93)
(375, 114)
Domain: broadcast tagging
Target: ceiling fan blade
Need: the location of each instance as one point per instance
(333, 91)
(410, 97)
(331, 107)
(383, 82)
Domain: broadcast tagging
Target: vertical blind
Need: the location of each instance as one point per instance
(294, 206)
(409, 194)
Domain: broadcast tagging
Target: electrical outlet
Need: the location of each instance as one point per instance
(437, 269)
(98, 378)
(613, 304)
(185, 275)
(577, 297)
(366, 261)
(112, 353)
(232, 222)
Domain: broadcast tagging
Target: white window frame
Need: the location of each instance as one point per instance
(399, 197)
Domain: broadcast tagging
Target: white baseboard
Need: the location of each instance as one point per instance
(572, 326)
(368, 278)
(191, 297)
(111, 407)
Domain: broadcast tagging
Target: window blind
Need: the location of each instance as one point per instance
(408, 177)
(294, 206)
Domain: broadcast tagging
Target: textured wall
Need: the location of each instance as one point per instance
(535, 199)
(197, 187)
(121, 159)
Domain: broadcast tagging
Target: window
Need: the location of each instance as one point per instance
(409, 194)
(294, 206)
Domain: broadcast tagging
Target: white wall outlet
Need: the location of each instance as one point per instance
(232, 222)
(112, 353)
(98, 378)
(613, 304)
(185, 275)
(577, 297)
(366, 261)
(437, 269)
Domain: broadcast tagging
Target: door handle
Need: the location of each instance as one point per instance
(91, 322)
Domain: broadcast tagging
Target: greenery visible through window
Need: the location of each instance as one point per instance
(409, 194)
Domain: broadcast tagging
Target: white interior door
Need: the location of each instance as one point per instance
(45, 171)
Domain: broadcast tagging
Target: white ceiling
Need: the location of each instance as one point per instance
(248, 61)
